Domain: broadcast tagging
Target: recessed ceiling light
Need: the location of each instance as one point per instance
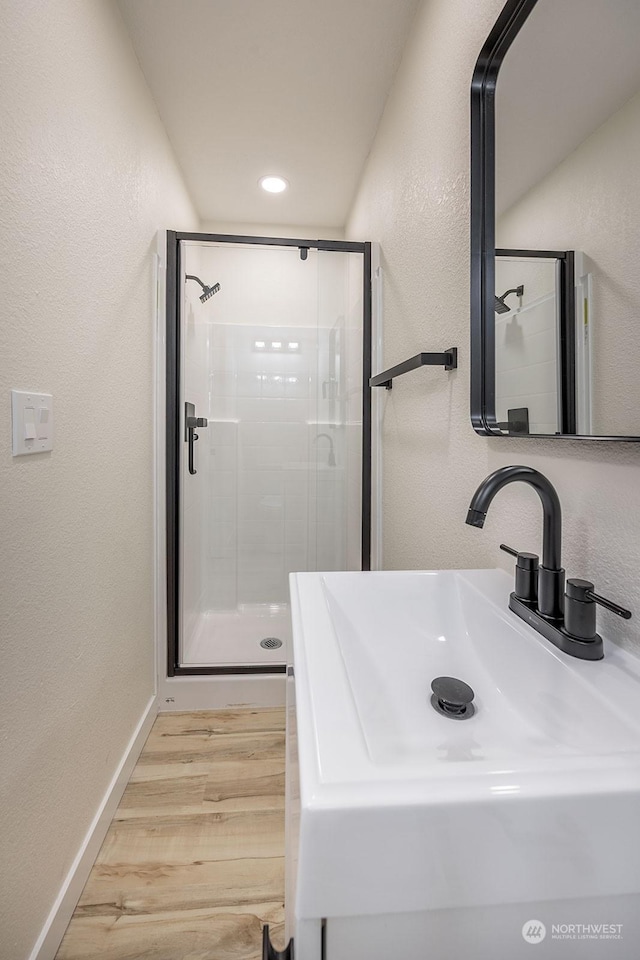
(276, 344)
(273, 184)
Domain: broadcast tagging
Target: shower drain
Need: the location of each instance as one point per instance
(271, 643)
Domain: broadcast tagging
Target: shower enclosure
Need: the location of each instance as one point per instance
(268, 437)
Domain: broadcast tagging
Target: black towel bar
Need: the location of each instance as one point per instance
(448, 360)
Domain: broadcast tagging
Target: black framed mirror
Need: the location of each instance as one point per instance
(555, 222)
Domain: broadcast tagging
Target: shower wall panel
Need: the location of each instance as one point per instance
(259, 406)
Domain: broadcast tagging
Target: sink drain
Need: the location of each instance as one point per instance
(271, 643)
(452, 698)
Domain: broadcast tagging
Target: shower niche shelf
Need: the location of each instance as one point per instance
(448, 360)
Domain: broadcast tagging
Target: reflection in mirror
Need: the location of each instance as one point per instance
(542, 354)
(568, 179)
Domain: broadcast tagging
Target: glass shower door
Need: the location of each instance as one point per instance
(273, 363)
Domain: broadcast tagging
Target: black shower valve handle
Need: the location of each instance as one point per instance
(527, 564)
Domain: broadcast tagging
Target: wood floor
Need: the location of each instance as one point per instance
(193, 863)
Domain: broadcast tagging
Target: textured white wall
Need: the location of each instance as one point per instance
(86, 178)
(414, 199)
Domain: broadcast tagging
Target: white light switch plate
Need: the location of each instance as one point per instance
(32, 422)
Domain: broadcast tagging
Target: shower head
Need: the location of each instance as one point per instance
(500, 306)
(207, 292)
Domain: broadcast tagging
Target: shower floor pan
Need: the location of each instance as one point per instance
(233, 637)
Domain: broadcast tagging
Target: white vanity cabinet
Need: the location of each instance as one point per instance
(306, 932)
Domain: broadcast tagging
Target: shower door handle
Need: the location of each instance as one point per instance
(190, 423)
(193, 436)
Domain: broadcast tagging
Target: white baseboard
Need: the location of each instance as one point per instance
(219, 693)
(58, 920)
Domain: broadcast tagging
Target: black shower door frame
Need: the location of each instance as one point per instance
(173, 438)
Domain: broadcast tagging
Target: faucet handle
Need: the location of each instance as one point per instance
(526, 588)
(609, 605)
(514, 553)
(529, 561)
(580, 609)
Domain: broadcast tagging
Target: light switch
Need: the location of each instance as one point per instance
(29, 423)
(43, 423)
(32, 422)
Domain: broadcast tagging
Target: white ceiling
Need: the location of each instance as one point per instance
(253, 87)
(572, 65)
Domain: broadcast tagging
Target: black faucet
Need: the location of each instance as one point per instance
(568, 622)
(551, 574)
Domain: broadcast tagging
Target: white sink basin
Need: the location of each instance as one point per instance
(534, 800)
(398, 631)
